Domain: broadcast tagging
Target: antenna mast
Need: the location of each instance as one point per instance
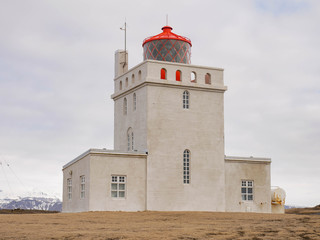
(167, 20)
(125, 42)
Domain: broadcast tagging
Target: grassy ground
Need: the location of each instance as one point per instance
(159, 225)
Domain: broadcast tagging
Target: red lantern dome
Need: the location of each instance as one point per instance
(167, 46)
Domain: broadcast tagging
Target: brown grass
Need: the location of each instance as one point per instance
(159, 225)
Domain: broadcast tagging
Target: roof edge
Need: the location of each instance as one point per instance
(103, 151)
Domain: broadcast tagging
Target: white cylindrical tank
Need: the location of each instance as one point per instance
(278, 196)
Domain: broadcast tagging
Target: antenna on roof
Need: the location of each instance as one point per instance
(167, 20)
(125, 41)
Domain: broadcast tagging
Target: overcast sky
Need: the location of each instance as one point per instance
(57, 69)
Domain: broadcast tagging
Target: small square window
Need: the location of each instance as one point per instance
(118, 186)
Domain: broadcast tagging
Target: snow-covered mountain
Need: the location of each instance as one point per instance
(31, 200)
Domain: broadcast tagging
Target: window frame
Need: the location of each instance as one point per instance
(116, 182)
(134, 101)
(186, 166)
(247, 190)
(132, 78)
(130, 139)
(82, 187)
(186, 99)
(69, 188)
(125, 106)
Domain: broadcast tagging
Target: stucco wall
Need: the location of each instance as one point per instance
(74, 171)
(172, 129)
(135, 118)
(102, 167)
(258, 170)
(98, 166)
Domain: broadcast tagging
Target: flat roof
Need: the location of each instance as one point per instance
(250, 159)
(104, 151)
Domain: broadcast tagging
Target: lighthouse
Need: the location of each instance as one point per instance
(169, 152)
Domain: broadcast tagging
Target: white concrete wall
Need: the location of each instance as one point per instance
(101, 170)
(172, 129)
(256, 169)
(98, 166)
(135, 119)
(76, 204)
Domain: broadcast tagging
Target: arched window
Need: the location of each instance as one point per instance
(125, 106)
(178, 75)
(186, 99)
(127, 82)
(186, 166)
(134, 101)
(139, 75)
(207, 78)
(120, 85)
(163, 73)
(132, 77)
(130, 139)
(193, 77)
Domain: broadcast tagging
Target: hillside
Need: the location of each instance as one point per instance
(306, 211)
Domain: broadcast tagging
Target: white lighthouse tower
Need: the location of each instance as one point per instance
(169, 142)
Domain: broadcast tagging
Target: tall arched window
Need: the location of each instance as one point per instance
(163, 73)
(139, 75)
(130, 139)
(127, 82)
(120, 87)
(186, 99)
(186, 166)
(125, 106)
(134, 101)
(132, 77)
(178, 75)
(207, 78)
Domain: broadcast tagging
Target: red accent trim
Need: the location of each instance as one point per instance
(166, 34)
(163, 73)
(178, 75)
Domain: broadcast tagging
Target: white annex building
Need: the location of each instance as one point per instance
(169, 143)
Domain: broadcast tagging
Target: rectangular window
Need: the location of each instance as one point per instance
(69, 188)
(186, 167)
(118, 186)
(82, 187)
(247, 190)
(185, 100)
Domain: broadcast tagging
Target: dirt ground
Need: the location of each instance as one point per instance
(159, 225)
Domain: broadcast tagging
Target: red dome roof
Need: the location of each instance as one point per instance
(167, 34)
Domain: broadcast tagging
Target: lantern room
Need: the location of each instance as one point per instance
(167, 46)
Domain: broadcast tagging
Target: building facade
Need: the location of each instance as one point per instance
(169, 143)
